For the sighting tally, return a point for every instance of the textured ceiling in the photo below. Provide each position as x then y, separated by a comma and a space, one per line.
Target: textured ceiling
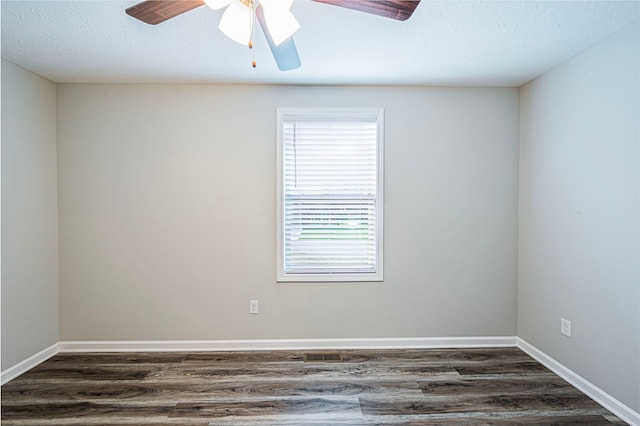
462, 43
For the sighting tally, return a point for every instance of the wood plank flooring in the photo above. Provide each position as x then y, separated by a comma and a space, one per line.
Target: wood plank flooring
387, 387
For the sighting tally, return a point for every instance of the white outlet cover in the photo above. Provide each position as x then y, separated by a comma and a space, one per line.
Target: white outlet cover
565, 327
253, 306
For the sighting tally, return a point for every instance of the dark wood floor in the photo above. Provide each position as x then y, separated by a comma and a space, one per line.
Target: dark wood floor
389, 387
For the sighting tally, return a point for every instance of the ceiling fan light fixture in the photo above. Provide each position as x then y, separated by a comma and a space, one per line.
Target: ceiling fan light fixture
217, 4
236, 22
276, 4
281, 24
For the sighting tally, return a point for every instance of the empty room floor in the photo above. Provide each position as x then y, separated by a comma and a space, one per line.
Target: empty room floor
417, 386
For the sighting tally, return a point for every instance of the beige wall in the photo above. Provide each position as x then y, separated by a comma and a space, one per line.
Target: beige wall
29, 215
579, 216
168, 218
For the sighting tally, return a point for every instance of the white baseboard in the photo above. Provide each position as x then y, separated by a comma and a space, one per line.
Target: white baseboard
286, 344
618, 408
26, 365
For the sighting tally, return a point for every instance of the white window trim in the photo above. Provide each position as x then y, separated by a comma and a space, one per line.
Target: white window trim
338, 113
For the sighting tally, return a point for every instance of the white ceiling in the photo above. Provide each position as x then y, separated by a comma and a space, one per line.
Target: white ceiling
461, 43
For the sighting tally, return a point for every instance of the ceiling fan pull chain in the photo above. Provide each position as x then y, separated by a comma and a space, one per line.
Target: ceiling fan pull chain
252, 22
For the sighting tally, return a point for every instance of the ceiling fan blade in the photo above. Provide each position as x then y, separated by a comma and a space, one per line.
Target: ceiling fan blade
155, 11
400, 10
285, 54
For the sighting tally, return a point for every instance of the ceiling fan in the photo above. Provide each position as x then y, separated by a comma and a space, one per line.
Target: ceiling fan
274, 17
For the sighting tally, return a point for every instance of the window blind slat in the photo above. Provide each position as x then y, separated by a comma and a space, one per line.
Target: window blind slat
329, 203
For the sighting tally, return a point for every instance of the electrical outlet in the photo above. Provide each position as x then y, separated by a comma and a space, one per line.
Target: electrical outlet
253, 306
565, 327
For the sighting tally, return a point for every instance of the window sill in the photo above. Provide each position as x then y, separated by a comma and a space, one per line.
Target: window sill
341, 278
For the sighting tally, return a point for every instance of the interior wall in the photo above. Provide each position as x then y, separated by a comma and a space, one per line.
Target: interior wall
168, 215
579, 218
29, 215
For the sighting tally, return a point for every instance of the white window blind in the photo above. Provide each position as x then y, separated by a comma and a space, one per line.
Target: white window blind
331, 185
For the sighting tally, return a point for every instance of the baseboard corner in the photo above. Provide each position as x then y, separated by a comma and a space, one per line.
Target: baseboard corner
27, 364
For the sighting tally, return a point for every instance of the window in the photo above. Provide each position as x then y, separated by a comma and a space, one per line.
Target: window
330, 199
